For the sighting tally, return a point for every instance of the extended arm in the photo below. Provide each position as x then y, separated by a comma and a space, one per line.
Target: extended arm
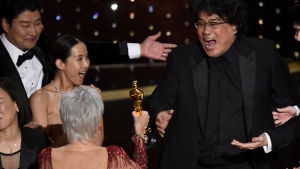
109, 53
118, 158
280, 136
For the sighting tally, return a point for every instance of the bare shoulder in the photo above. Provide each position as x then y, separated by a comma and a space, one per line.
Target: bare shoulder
42, 93
94, 87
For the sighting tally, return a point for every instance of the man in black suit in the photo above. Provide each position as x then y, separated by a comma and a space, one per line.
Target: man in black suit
225, 87
281, 115
22, 27
289, 129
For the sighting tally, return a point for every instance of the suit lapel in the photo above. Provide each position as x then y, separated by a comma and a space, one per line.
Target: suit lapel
9, 69
40, 55
200, 81
248, 70
28, 156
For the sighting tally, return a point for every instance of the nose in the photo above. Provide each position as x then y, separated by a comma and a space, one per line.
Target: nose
298, 37
86, 62
32, 30
207, 29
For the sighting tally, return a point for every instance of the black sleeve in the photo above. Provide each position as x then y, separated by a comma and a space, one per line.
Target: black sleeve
107, 53
283, 135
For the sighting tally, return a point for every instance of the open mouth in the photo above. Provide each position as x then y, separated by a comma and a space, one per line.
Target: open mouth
210, 43
82, 74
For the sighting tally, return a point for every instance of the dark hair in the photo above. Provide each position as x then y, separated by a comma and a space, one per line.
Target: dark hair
61, 48
13, 90
295, 12
10, 9
231, 11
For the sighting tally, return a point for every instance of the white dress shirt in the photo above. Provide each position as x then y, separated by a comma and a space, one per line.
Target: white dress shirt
134, 51
31, 71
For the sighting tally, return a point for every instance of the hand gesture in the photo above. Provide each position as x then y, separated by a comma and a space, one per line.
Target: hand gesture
140, 121
297, 167
98, 90
283, 115
162, 121
256, 143
33, 125
153, 49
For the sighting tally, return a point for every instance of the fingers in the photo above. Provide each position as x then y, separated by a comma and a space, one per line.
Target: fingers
167, 50
33, 125
154, 37
161, 132
282, 110
170, 112
249, 146
257, 139
274, 113
278, 122
140, 121
162, 121
160, 125
169, 45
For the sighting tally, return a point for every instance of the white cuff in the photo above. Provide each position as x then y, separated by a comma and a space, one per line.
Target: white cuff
134, 50
268, 148
297, 110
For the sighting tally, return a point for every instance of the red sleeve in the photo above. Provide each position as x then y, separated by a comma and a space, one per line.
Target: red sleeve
118, 158
45, 159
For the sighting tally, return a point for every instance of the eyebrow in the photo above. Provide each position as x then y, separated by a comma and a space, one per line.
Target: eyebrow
24, 21
81, 55
211, 19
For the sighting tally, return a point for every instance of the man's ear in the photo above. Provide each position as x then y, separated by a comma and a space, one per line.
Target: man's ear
59, 64
235, 29
5, 24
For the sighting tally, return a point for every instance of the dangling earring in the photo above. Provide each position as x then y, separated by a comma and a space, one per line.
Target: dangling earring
17, 111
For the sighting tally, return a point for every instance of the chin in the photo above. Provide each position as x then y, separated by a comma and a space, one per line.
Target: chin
212, 55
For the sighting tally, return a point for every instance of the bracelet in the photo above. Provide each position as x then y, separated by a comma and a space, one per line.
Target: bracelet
143, 136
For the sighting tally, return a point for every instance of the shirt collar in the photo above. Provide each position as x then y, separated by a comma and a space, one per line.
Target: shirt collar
231, 53
13, 51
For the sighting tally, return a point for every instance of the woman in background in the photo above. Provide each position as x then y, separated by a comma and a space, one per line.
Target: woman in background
81, 109
70, 63
19, 146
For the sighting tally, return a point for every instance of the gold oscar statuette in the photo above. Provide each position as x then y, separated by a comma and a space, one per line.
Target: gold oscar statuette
137, 96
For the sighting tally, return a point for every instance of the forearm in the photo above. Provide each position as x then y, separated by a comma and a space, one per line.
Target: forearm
107, 53
283, 135
140, 153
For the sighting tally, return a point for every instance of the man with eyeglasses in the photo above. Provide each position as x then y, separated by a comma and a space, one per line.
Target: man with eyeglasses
225, 86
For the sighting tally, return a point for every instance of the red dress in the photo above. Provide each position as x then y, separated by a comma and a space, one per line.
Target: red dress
117, 157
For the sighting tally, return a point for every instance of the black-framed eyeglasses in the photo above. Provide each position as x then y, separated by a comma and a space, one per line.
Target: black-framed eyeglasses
213, 25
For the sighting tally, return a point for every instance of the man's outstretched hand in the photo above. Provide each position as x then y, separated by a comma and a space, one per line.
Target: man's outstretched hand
153, 49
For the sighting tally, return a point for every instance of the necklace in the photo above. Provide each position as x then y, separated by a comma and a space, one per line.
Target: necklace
56, 88
11, 148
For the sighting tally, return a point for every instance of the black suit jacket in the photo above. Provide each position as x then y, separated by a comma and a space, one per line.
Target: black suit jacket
265, 83
8, 69
283, 135
33, 142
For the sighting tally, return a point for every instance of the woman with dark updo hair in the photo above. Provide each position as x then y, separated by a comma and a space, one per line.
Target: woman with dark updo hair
70, 61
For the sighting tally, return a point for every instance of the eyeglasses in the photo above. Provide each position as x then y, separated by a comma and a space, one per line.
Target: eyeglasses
213, 25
